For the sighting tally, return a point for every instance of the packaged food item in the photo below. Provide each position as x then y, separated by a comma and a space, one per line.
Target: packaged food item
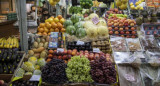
129, 76
134, 44
153, 58
149, 43
120, 57
150, 75
118, 44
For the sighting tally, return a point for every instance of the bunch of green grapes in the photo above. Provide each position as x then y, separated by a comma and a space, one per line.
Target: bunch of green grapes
78, 70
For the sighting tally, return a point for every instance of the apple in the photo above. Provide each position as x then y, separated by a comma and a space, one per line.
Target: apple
96, 55
81, 51
65, 52
69, 52
86, 56
1, 83
116, 32
122, 32
155, 32
78, 53
132, 24
54, 56
152, 28
128, 36
133, 32
59, 57
86, 51
115, 24
120, 24
132, 28
110, 28
127, 32
109, 24
122, 35
73, 53
148, 33
115, 21
133, 36
126, 28
121, 29
74, 50
116, 28
64, 57
69, 56
110, 32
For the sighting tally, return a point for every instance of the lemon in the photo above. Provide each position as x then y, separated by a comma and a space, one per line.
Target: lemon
141, 8
137, 3
132, 7
131, 3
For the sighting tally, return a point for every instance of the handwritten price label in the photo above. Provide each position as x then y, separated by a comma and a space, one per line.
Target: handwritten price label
35, 78
95, 20
60, 50
80, 43
96, 50
129, 77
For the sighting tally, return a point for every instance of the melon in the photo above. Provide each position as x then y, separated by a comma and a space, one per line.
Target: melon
78, 25
71, 30
80, 33
92, 32
102, 31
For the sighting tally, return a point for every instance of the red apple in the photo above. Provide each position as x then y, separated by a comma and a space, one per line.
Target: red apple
126, 28
59, 57
81, 51
65, 52
122, 32
96, 55
121, 29
64, 57
116, 28
110, 32
74, 50
133, 36
73, 53
132, 28
86, 51
133, 32
110, 28
78, 53
127, 32
109, 24
128, 36
116, 32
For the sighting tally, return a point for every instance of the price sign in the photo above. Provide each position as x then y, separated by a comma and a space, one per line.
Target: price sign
80, 43
35, 78
129, 77
60, 49
95, 20
96, 50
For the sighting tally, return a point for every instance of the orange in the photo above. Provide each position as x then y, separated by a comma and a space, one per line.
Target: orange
59, 25
48, 26
40, 30
59, 17
56, 30
48, 60
63, 30
39, 33
42, 25
62, 20
52, 17
46, 30
54, 25
44, 33
51, 30
56, 20
49, 34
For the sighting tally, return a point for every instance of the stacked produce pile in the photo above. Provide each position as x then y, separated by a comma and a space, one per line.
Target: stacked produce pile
25, 83
11, 42
122, 4
54, 72
103, 71
136, 6
9, 60
86, 4
122, 27
78, 70
51, 25
152, 30
75, 10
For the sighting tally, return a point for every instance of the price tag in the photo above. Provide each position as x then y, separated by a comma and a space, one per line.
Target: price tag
35, 78
129, 77
80, 43
60, 50
95, 20
96, 50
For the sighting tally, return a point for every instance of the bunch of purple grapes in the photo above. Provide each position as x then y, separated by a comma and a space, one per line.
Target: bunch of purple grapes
54, 72
103, 71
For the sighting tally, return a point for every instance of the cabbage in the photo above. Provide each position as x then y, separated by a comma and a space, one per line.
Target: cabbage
80, 33
71, 30
91, 16
92, 32
78, 25
41, 62
102, 31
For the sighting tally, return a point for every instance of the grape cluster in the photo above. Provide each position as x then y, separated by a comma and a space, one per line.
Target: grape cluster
103, 71
54, 72
78, 69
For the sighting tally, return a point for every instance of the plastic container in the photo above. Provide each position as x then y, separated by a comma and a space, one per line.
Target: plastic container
134, 44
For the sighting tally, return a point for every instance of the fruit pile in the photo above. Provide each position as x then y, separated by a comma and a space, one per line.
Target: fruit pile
11, 42
137, 4
54, 72
25, 83
39, 46
86, 4
122, 27
51, 25
152, 30
53, 2
78, 70
65, 55
122, 4
85, 46
103, 71
9, 60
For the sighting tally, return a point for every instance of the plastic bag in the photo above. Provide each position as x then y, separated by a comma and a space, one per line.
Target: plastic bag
120, 57
129, 76
118, 44
134, 44
153, 58
150, 75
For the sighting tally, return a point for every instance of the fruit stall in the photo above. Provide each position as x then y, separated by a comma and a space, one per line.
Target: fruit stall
99, 43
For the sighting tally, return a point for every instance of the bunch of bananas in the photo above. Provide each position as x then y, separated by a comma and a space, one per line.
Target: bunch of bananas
53, 2
11, 42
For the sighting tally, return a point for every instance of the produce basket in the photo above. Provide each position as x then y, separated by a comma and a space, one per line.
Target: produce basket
8, 77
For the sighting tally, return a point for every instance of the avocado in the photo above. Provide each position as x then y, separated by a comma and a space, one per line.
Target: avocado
9, 57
